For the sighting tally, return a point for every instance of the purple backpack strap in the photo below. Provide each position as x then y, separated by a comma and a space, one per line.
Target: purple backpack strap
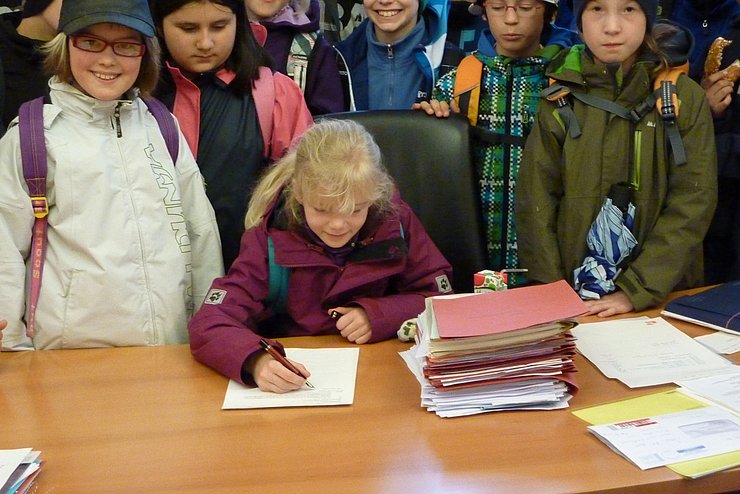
33, 156
166, 122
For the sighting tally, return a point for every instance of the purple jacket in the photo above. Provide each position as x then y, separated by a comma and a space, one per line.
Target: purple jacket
395, 266
323, 92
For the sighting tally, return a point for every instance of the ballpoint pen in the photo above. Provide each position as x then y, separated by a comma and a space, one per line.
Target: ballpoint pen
279, 357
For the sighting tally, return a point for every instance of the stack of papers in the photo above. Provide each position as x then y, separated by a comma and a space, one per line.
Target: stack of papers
504, 350
18, 470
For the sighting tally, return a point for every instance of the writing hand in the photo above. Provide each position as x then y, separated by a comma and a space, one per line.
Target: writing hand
270, 375
353, 324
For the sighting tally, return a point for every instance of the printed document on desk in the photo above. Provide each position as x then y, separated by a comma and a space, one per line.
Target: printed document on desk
658, 440
722, 389
665, 402
646, 352
333, 375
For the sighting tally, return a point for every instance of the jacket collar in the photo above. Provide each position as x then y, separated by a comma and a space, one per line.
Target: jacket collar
74, 101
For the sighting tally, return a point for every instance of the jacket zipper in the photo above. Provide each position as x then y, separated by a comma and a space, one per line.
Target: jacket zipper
117, 120
119, 134
391, 87
506, 173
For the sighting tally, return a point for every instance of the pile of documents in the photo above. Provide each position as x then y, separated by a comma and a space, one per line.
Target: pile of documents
18, 470
502, 350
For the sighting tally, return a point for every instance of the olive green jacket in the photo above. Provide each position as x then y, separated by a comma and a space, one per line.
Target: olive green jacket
563, 181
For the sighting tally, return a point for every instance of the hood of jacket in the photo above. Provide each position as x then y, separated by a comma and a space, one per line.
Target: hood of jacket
576, 67
288, 18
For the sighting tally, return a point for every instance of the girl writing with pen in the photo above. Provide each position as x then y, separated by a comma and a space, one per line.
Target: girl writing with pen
359, 260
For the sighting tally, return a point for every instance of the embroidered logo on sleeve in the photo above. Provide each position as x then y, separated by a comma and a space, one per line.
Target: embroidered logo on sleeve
443, 284
215, 296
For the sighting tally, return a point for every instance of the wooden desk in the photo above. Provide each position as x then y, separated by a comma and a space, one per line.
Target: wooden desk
148, 419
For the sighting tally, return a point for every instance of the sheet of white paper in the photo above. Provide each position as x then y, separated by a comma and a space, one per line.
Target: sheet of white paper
645, 352
333, 375
9, 461
720, 342
723, 389
663, 439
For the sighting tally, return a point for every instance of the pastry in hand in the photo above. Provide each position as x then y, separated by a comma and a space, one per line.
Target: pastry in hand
714, 56
732, 72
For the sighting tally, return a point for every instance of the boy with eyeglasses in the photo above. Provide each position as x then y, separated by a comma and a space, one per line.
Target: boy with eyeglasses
505, 75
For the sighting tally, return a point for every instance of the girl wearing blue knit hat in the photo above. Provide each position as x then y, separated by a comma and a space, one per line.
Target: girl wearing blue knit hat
601, 130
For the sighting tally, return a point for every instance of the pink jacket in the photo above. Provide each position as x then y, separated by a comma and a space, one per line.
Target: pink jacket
276, 96
389, 275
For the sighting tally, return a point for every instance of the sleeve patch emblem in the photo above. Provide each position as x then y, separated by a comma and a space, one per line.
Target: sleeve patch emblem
215, 296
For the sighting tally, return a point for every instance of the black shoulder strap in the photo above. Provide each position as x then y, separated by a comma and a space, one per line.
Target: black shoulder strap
558, 94
331, 18
669, 114
311, 57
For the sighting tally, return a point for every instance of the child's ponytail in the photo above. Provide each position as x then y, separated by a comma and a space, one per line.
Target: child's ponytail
276, 178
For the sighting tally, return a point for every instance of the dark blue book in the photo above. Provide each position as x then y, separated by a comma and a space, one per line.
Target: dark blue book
716, 308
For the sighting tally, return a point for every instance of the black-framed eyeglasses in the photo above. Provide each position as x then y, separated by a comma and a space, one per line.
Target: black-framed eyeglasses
93, 44
497, 8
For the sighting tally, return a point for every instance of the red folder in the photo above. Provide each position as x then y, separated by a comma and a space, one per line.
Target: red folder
507, 310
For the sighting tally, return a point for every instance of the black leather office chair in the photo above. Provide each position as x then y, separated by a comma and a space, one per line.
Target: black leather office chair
431, 161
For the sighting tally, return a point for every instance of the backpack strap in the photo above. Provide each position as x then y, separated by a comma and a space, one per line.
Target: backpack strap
263, 95
558, 94
466, 92
331, 23
667, 104
299, 56
33, 157
278, 281
606, 105
166, 122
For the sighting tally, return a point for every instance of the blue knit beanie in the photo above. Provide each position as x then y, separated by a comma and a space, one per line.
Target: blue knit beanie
649, 7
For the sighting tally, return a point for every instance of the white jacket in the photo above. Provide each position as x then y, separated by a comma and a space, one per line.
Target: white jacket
132, 239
